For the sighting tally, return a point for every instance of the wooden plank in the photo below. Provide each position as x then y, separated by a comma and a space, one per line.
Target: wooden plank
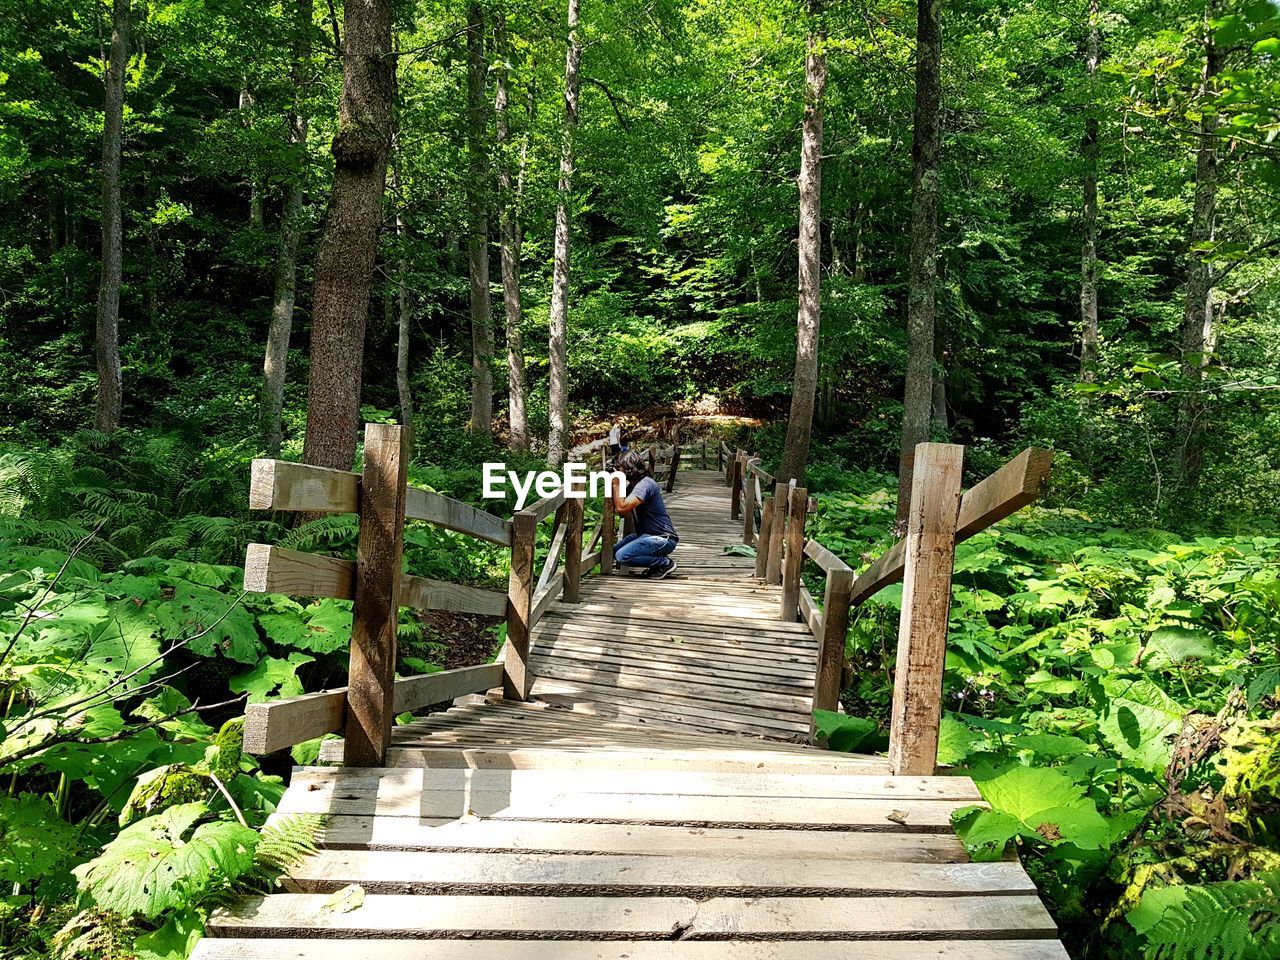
801, 918
781, 506
573, 567
735, 484
766, 536
281, 485
666, 662
749, 507
603, 874
376, 609
552, 559
427, 594
515, 664
523, 784
269, 727
402, 833
823, 557
278, 570
926, 604
1016, 484
797, 515
414, 693
282, 723
609, 532
442, 511
809, 613
548, 596
835, 630
257, 948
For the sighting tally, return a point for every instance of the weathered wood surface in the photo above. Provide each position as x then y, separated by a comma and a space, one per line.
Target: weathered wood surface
499, 949
376, 607
929, 552
656, 798
282, 723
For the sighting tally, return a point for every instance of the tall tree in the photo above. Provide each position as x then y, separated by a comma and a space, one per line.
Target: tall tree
809, 313
558, 349
286, 275
1197, 314
478, 227
926, 151
1089, 208
404, 307
349, 242
1198, 334
509, 197
107, 334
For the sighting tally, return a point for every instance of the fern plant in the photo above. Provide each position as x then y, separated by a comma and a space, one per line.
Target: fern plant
1232, 920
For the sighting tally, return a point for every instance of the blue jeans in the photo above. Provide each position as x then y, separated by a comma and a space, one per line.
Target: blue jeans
643, 550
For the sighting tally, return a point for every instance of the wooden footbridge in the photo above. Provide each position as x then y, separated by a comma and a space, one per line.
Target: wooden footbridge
635, 777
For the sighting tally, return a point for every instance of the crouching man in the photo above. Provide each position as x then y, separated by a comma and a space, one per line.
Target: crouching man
655, 535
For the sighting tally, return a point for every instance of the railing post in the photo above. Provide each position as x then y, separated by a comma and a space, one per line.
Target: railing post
766, 529
748, 507
799, 501
609, 520
781, 505
735, 486
515, 665
672, 467
573, 507
376, 610
835, 627
926, 603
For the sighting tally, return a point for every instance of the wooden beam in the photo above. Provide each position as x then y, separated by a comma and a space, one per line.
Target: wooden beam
735, 485
442, 511
545, 597
376, 610
750, 486
515, 664
273, 726
277, 570
794, 559
766, 535
552, 559
781, 507
608, 533
926, 604
573, 549
547, 506
823, 557
1016, 484
425, 593
809, 612
281, 485
831, 640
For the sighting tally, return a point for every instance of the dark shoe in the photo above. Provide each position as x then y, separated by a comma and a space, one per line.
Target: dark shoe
659, 572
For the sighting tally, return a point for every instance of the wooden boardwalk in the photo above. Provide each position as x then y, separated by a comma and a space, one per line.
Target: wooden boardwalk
654, 799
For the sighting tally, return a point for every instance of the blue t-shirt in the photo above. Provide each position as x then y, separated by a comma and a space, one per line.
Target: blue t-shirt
651, 515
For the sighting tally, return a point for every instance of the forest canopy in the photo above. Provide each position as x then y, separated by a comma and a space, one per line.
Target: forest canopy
823, 231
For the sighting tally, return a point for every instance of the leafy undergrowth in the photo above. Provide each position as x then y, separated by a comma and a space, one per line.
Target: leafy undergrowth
1114, 695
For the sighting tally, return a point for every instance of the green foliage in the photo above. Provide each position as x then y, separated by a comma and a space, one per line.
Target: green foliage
1216, 921
161, 863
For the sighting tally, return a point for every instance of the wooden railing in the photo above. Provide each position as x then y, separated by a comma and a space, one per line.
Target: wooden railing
940, 517
363, 710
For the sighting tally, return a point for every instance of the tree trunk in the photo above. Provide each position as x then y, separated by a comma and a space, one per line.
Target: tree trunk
478, 227
255, 195
348, 245
556, 441
1089, 212
809, 313
926, 149
1197, 316
107, 334
859, 243
1198, 333
509, 250
286, 279
941, 426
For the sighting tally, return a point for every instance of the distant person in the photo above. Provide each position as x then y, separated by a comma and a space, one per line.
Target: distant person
655, 535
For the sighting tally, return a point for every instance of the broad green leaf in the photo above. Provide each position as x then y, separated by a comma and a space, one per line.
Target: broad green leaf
157, 864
